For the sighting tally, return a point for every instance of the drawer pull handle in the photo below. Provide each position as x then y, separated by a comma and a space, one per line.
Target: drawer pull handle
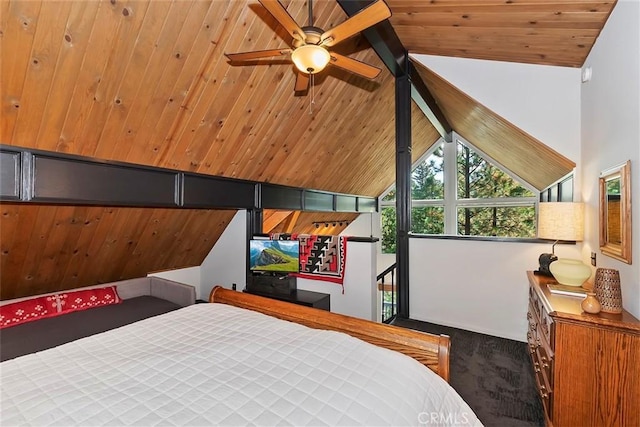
543, 392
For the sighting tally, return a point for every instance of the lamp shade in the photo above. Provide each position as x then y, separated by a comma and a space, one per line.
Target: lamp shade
310, 58
561, 221
564, 221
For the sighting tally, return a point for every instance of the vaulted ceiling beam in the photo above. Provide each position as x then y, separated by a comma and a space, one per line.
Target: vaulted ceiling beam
389, 48
423, 98
382, 37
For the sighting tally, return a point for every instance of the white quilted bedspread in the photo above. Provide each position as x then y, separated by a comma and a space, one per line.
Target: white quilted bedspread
213, 364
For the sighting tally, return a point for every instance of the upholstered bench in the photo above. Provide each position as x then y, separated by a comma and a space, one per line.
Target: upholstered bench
141, 298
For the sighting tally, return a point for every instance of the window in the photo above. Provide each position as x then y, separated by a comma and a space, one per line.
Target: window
457, 190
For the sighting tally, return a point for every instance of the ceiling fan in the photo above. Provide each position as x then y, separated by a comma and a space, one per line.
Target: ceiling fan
310, 52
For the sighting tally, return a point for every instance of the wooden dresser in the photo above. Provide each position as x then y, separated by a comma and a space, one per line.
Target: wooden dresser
587, 367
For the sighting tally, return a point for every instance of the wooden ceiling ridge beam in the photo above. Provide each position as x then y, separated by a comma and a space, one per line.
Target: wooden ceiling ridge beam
389, 48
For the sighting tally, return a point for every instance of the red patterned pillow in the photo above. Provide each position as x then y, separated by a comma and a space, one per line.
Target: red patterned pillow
54, 305
82, 300
25, 311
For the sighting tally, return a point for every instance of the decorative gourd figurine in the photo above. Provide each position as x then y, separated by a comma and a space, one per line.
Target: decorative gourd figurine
591, 304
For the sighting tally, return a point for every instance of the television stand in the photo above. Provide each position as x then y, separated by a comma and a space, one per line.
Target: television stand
300, 297
268, 284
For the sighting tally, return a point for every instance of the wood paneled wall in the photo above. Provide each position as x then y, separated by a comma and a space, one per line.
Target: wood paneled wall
304, 222
146, 82
49, 248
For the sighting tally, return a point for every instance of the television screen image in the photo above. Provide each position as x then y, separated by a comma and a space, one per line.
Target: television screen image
280, 256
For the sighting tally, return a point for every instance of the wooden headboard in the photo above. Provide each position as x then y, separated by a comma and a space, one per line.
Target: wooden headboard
428, 349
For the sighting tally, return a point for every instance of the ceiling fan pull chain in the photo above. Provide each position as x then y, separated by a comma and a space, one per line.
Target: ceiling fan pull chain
312, 101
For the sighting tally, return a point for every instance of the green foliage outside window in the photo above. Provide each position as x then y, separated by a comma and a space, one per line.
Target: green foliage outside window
427, 220
427, 182
388, 241
478, 178
512, 221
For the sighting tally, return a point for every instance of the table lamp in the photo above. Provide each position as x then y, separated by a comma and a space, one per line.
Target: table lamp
562, 221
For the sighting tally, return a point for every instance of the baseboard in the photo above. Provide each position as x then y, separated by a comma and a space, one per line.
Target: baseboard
493, 333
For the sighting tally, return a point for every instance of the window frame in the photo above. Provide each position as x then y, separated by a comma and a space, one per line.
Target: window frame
451, 203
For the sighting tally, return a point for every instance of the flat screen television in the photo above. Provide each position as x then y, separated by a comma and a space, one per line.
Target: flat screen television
276, 256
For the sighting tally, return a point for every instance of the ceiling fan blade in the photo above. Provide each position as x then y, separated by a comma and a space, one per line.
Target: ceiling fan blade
282, 16
355, 66
302, 82
244, 56
371, 15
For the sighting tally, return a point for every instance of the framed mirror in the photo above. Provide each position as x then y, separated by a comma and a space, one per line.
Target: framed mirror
615, 212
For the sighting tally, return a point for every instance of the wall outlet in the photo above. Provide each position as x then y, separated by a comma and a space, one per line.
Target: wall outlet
593, 259
233, 285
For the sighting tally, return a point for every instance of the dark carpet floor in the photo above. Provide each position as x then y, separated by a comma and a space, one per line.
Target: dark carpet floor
493, 375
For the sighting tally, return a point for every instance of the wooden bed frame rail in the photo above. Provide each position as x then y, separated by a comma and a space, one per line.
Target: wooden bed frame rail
428, 349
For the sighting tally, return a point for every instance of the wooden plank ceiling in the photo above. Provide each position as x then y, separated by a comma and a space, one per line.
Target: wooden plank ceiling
548, 32
146, 82
526, 156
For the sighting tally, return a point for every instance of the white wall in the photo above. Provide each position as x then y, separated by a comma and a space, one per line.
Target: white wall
189, 275
482, 286
362, 226
360, 293
611, 132
479, 286
227, 262
542, 100
368, 225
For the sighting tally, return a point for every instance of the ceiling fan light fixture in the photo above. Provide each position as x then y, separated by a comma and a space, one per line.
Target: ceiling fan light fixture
310, 58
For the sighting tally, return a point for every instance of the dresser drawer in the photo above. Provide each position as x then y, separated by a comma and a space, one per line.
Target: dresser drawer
534, 302
532, 331
540, 346
544, 362
546, 327
542, 371
542, 317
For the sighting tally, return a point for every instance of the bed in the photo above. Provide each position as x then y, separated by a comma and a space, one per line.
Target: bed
236, 362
